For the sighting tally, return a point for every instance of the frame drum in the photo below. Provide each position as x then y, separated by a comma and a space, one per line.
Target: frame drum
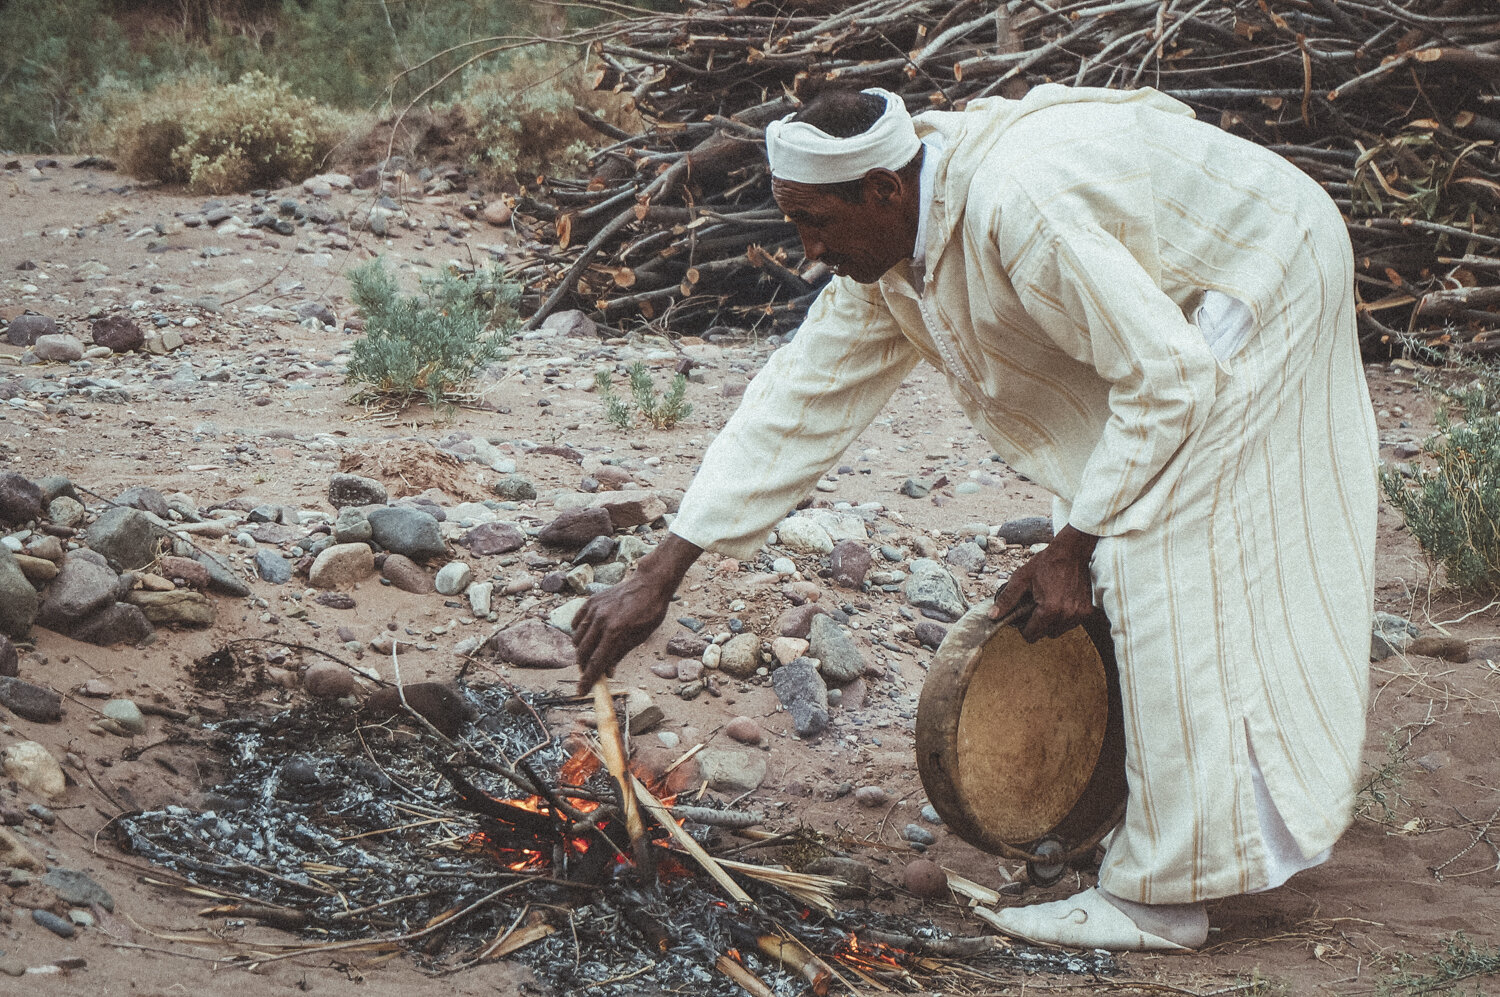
1018, 741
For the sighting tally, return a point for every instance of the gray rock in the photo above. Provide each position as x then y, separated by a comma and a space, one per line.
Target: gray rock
1027, 530
119, 333
930, 634
609, 574
572, 324
453, 578
20, 499
18, 600
409, 532
406, 575
596, 551
740, 656
10, 662
125, 713
30, 702
25, 330
117, 623
56, 486
966, 556
732, 770
53, 923
871, 796
805, 535
514, 488
66, 511
804, 694
918, 835
1391, 634
272, 567
183, 607
932, 590
686, 644
83, 586
930, 814
838, 655
574, 528
489, 539
533, 644
352, 527
565, 615
221, 577
126, 537
58, 348
916, 487
850, 562
354, 489
146, 499
76, 889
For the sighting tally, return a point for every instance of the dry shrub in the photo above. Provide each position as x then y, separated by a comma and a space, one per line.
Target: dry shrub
523, 121
222, 138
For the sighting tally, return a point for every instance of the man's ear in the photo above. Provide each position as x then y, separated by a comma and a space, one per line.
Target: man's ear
882, 185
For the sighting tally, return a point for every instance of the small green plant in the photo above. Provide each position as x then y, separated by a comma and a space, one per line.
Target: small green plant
616, 411
1376, 800
662, 410
1460, 959
1452, 504
430, 343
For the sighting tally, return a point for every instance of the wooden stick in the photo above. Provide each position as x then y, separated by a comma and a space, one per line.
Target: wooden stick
710, 865
613, 747
736, 971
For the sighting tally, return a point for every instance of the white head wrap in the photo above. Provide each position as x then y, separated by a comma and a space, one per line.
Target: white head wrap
802, 153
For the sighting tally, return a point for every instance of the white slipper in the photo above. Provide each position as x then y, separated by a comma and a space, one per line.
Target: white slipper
1085, 921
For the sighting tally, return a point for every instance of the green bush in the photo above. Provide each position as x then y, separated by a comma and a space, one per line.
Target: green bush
52, 59
1452, 501
222, 138
430, 343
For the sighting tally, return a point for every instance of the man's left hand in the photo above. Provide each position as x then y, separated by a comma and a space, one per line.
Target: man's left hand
1057, 581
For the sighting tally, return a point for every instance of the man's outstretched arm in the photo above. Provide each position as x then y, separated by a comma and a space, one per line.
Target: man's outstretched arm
617, 620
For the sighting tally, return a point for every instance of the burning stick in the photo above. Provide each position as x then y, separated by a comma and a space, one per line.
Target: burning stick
736, 971
799, 958
613, 747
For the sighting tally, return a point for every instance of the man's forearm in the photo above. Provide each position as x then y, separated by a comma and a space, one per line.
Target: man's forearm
668, 564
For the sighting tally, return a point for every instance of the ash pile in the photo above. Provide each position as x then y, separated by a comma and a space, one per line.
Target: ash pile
496, 839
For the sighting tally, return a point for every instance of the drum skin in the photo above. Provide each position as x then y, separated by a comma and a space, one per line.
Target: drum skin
1016, 741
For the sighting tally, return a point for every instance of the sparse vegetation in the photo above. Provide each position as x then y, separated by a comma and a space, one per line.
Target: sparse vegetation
1459, 960
522, 116
1452, 500
662, 410
431, 343
1376, 800
616, 410
222, 138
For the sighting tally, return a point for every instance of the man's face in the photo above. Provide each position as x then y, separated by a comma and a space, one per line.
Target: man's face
858, 240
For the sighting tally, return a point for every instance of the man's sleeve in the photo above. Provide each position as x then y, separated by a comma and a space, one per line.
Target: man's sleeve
809, 402
1099, 304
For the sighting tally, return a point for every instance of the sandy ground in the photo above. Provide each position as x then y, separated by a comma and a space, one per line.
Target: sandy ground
274, 426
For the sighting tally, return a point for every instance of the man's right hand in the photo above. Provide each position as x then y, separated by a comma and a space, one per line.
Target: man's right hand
614, 622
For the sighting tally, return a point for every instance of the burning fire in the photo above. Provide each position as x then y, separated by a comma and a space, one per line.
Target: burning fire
871, 955
574, 773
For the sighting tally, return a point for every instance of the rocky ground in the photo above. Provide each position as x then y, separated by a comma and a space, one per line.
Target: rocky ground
181, 468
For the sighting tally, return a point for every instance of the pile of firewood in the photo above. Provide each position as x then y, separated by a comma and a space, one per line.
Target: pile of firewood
1391, 104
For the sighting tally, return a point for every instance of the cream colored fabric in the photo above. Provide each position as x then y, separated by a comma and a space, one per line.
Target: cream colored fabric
1071, 234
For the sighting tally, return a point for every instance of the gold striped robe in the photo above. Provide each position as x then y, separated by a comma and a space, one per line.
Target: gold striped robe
1069, 237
